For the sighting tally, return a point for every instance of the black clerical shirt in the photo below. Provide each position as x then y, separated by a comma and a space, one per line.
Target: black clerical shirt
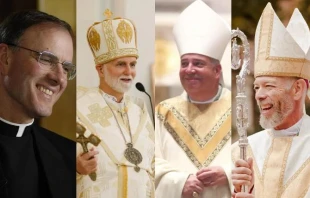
20, 163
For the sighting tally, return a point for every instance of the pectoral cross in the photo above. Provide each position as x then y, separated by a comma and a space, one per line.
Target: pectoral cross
93, 139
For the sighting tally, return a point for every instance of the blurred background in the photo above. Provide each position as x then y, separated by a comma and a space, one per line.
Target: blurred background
245, 16
167, 62
62, 120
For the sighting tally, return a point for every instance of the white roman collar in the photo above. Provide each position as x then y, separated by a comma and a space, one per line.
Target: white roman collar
216, 97
292, 131
21, 127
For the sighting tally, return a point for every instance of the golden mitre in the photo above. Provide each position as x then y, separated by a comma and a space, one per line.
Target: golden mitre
279, 50
112, 38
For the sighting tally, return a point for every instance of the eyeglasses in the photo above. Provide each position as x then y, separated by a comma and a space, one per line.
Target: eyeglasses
49, 60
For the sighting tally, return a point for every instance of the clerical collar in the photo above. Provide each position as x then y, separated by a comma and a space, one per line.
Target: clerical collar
215, 98
292, 131
110, 97
11, 129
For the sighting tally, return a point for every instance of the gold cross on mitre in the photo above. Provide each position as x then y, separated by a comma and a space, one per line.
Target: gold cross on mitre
108, 14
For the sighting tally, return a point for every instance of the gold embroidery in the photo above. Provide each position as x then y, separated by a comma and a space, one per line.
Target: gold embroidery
94, 39
292, 187
109, 35
124, 31
265, 64
106, 57
202, 158
122, 182
304, 165
99, 115
287, 150
107, 13
202, 142
301, 176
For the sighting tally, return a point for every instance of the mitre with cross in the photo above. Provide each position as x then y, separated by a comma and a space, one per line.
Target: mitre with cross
112, 38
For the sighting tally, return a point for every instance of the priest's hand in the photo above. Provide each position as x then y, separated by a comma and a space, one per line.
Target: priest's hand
242, 174
242, 195
86, 163
192, 185
212, 176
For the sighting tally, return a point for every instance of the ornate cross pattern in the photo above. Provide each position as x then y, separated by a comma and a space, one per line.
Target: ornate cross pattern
99, 115
108, 14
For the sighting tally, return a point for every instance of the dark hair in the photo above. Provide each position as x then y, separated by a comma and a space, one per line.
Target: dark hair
13, 27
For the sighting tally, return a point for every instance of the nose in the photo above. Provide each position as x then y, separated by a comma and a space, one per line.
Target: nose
260, 94
190, 69
128, 70
57, 75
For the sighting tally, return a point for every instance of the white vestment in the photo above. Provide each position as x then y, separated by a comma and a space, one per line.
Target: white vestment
281, 163
189, 138
116, 176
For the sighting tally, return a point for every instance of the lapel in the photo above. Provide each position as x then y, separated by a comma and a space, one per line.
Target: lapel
54, 167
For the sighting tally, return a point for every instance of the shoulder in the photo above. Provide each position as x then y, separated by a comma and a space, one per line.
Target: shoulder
307, 119
86, 91
225, 95
169, 102
256, 140
166, 106
257, 137
226, 91
55, 139
135, 100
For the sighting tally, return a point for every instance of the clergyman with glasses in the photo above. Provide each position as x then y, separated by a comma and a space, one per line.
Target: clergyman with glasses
36, 50
123, 160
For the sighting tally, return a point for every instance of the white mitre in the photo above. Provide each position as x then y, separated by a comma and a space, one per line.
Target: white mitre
112, 38
281, 51
200, 30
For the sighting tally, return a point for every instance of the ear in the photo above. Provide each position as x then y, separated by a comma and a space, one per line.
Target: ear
218, 70
299, 88
99, 69
4, 59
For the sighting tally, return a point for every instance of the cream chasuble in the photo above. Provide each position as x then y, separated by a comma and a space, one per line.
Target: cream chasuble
281, 163
189, 137
116, 177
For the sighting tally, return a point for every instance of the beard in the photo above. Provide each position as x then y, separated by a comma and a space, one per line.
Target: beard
282, 108
115, 82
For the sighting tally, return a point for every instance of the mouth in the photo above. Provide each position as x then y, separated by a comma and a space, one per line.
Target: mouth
45, 90
192, 80
126, 80
266, 108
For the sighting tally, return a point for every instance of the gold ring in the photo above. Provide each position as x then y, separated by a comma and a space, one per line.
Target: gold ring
195, 194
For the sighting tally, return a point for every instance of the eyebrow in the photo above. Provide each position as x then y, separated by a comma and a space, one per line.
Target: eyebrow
264, 83
194, 59
120, 62
124, 62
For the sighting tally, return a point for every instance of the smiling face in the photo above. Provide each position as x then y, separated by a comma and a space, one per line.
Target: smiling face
117, 75
32, 88
199, 76
275, 99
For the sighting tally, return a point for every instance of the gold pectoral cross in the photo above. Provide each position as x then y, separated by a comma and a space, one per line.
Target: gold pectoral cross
81, 139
